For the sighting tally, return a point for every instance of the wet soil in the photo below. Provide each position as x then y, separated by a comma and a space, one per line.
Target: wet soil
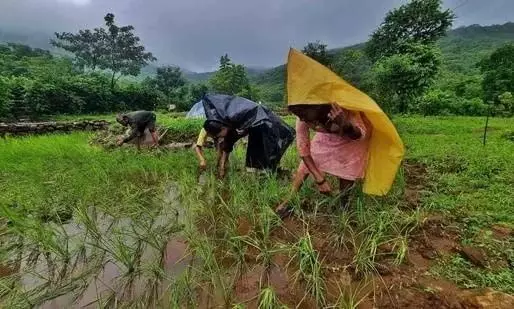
392, 286
408, 285
415, 183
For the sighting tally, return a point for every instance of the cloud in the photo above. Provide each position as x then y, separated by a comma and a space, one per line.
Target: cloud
76, 2
195, 33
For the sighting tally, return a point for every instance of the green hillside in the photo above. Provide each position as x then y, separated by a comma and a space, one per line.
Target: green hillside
462, 48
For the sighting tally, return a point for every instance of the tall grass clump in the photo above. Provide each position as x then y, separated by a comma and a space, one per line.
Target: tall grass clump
309, 268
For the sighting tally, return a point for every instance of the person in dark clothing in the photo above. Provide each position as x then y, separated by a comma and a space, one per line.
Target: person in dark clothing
138, 121
230, 118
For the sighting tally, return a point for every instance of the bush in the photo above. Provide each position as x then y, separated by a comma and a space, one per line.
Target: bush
441, 102
471, 107
22, 97
134, 97
436, 102
5, 103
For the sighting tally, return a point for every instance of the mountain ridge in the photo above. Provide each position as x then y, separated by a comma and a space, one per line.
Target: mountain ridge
471, 42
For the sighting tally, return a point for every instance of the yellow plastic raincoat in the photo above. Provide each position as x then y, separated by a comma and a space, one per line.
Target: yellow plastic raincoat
309, 82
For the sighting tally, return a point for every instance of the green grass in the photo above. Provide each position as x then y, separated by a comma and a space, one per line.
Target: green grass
119, 197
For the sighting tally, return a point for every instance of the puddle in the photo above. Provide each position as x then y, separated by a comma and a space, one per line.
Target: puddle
152, 244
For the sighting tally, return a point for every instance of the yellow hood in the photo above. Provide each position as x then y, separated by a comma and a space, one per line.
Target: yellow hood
309, 82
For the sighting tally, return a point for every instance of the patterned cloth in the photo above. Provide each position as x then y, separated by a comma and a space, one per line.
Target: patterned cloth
333, 154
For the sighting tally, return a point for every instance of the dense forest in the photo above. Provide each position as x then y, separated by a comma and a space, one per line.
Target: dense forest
430, 70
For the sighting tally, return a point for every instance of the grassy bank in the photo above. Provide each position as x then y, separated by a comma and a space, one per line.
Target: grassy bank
238, 252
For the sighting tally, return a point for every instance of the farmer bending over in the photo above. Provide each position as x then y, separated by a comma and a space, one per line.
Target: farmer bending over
138, 121
224, 141
230, 118
339, 148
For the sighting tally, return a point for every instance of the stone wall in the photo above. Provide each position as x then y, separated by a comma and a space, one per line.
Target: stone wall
25, 128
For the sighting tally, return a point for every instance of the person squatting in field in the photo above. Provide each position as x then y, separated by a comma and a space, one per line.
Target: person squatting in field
138, 122
338, 148
230, 118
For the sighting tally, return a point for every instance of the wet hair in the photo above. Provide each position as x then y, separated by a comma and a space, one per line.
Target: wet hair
311, 112
213, 127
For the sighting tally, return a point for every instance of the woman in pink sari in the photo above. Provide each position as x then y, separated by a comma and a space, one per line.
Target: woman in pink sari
339, 148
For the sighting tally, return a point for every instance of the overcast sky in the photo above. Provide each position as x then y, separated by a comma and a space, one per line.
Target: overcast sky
194, 33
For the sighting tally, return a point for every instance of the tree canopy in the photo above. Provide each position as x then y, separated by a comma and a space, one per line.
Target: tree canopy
232, 79
114, 48
498, 82
318, 51
418, 21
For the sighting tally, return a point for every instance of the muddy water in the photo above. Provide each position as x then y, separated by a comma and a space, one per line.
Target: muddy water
108, 279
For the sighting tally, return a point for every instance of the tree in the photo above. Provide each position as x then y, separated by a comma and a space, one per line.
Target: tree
89, 47
406, 59
418, 21
352, 65
231, 79
112, 48
498, 70
125, 55
5, 100
168, 80
318, 51
401, 78
196, 92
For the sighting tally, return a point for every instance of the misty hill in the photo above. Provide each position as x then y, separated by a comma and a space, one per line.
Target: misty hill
32, 39
462, 48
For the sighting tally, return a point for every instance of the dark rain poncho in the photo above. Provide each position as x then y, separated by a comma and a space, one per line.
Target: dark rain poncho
139, 121
268, 135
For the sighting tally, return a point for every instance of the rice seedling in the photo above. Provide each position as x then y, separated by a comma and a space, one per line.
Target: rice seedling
365, 246
268, 299
351, 296
181, 291
210, 268
309, 268
342, 230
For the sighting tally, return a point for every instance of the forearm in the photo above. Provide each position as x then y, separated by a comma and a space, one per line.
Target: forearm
316, 173
131, 136
199, 153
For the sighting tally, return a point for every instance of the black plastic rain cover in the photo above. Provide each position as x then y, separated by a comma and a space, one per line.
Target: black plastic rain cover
268, 135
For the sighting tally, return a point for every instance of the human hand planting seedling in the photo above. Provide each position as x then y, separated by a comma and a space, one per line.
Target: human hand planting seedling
120, 141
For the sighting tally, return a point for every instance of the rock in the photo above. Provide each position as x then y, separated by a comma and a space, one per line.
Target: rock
23, 128
178, 145
486, 299
474, 255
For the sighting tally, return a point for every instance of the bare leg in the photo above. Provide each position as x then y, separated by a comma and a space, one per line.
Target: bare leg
138, 143
345, 187
155, 138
